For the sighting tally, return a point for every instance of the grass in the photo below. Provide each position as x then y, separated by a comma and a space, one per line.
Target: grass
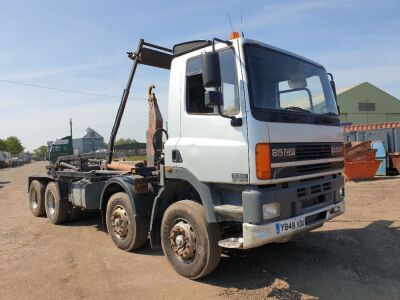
134, 158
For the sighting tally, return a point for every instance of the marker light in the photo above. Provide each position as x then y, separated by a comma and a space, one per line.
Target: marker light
234, 35
263, 161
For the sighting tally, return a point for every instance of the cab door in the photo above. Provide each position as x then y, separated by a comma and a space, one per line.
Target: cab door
209, 146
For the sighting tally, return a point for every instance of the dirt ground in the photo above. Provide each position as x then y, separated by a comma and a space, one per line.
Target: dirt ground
356, 256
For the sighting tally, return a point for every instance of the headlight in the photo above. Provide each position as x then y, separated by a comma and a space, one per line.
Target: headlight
271, 210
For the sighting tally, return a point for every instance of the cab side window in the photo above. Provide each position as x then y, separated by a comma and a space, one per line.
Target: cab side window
195, 89
229, 86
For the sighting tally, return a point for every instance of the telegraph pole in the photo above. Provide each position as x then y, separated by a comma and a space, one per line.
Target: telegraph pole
70, 126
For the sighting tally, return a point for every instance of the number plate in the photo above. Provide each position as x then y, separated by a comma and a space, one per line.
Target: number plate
287, 226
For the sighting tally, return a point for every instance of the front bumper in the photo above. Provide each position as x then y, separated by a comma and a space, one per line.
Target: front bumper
258, 235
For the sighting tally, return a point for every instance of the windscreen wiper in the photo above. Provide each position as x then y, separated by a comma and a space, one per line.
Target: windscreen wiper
296, 108
330, 114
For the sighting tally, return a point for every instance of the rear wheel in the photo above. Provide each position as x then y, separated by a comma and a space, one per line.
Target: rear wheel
127, 231
189, 242
57, 209
36, 198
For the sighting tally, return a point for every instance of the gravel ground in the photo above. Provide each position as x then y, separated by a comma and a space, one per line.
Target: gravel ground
355, 256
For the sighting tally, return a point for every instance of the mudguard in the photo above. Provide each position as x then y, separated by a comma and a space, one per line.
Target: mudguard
44, 177
141, 202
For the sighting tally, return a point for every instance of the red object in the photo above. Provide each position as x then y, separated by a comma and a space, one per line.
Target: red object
396, 160
361, 169
120, 167
365, 156
355, 148
363, 127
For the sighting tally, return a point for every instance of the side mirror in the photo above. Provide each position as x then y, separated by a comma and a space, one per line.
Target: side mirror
210, 70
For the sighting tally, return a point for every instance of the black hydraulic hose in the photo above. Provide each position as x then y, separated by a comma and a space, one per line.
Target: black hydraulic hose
154, 138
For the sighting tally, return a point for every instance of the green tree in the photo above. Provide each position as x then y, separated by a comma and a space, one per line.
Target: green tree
40, 152
3, 146
120, 142
13, 145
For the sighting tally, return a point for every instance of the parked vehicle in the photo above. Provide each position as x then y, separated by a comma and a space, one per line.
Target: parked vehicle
15, 161
6, 158
2, 160
253, 155
24, 158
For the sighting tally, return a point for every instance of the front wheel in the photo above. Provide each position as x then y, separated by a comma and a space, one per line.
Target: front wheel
189, 242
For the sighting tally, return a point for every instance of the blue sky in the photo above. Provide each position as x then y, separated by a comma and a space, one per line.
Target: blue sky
81, 45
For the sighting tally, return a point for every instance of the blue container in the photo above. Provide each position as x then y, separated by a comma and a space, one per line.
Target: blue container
380, 155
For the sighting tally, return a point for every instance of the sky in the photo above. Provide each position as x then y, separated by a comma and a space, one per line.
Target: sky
81, 45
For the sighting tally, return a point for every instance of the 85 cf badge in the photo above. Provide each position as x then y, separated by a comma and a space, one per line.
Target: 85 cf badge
283, 152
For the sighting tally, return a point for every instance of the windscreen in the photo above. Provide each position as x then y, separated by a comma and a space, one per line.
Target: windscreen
280, 81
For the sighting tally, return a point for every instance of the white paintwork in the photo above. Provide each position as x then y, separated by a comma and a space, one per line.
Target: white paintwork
174, 118
211, 148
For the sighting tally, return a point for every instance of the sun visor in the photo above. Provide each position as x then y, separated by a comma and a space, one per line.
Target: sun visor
155, 58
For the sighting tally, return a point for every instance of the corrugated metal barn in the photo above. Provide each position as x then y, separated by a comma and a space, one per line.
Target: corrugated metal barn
365, 103
90, 142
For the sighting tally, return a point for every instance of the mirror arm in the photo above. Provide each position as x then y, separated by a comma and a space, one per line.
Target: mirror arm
228, 43
333, 85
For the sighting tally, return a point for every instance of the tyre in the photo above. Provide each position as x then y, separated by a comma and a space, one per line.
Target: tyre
36, 198
127, 231
57, 209
189, 242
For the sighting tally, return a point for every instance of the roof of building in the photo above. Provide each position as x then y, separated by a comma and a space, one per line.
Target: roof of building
92, 134
361, 84
350, 98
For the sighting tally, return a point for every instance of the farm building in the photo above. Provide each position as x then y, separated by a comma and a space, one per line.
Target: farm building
90, 142
365, 103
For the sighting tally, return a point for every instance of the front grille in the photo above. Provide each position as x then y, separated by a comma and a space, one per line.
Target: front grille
313, 201
314, 190
307, 169
313, 151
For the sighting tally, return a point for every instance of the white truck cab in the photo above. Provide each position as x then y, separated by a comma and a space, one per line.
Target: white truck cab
281, 164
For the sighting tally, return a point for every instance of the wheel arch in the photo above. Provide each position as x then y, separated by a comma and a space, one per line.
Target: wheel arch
42, 178
124, 184
204, 190
187, 188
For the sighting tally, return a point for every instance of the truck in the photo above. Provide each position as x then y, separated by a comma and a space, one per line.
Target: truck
252, 154
60, 147
5, 159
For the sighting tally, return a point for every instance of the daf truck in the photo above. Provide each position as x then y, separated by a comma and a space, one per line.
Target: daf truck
253, 154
